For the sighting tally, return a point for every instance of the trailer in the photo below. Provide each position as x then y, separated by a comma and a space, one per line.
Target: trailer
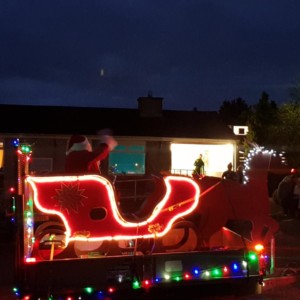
75, 239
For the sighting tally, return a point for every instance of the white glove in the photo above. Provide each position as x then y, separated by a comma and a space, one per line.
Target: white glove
109, 141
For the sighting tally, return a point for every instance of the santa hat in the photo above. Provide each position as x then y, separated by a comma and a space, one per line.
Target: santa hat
78, 143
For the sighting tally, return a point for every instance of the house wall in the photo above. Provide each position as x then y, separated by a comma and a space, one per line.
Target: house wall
48, 156
158, 157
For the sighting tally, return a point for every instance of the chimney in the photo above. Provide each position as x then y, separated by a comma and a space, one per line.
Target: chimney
150, 106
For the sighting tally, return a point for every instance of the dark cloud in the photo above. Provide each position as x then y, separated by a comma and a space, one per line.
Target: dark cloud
109, 53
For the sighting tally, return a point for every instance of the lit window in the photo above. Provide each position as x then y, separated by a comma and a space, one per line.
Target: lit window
127, 160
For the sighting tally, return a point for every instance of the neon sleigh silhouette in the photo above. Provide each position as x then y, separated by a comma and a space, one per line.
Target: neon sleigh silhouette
88, 208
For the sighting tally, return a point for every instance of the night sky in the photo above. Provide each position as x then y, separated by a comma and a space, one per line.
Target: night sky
106, 53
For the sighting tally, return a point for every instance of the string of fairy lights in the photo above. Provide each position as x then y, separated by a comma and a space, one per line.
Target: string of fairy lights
234, 269
268, 154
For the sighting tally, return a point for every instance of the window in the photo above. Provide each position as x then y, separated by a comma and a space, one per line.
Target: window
127, 159
242, 131
41, 165
216, 157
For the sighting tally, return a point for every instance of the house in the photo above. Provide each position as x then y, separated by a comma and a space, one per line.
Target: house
150, 139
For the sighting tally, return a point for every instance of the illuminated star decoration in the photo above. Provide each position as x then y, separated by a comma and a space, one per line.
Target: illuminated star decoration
70, 197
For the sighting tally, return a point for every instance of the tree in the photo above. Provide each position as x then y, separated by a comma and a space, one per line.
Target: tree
295, 93
287, 131
270, 126
278, 127
234, 112
263, 117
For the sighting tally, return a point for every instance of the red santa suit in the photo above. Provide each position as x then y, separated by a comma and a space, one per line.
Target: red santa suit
81, 158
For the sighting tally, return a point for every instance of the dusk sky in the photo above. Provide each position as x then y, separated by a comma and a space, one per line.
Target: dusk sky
107, 53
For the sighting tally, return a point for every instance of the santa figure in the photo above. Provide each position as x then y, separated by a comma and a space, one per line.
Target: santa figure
81, 158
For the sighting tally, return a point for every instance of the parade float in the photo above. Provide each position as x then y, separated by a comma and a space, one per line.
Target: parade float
75, 240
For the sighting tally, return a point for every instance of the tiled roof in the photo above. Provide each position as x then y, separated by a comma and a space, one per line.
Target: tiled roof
28, 119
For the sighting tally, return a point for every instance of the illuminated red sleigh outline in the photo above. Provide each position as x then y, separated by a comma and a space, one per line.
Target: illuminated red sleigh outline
76, 198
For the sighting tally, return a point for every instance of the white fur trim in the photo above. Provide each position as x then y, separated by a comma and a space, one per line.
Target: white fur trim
85, 145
